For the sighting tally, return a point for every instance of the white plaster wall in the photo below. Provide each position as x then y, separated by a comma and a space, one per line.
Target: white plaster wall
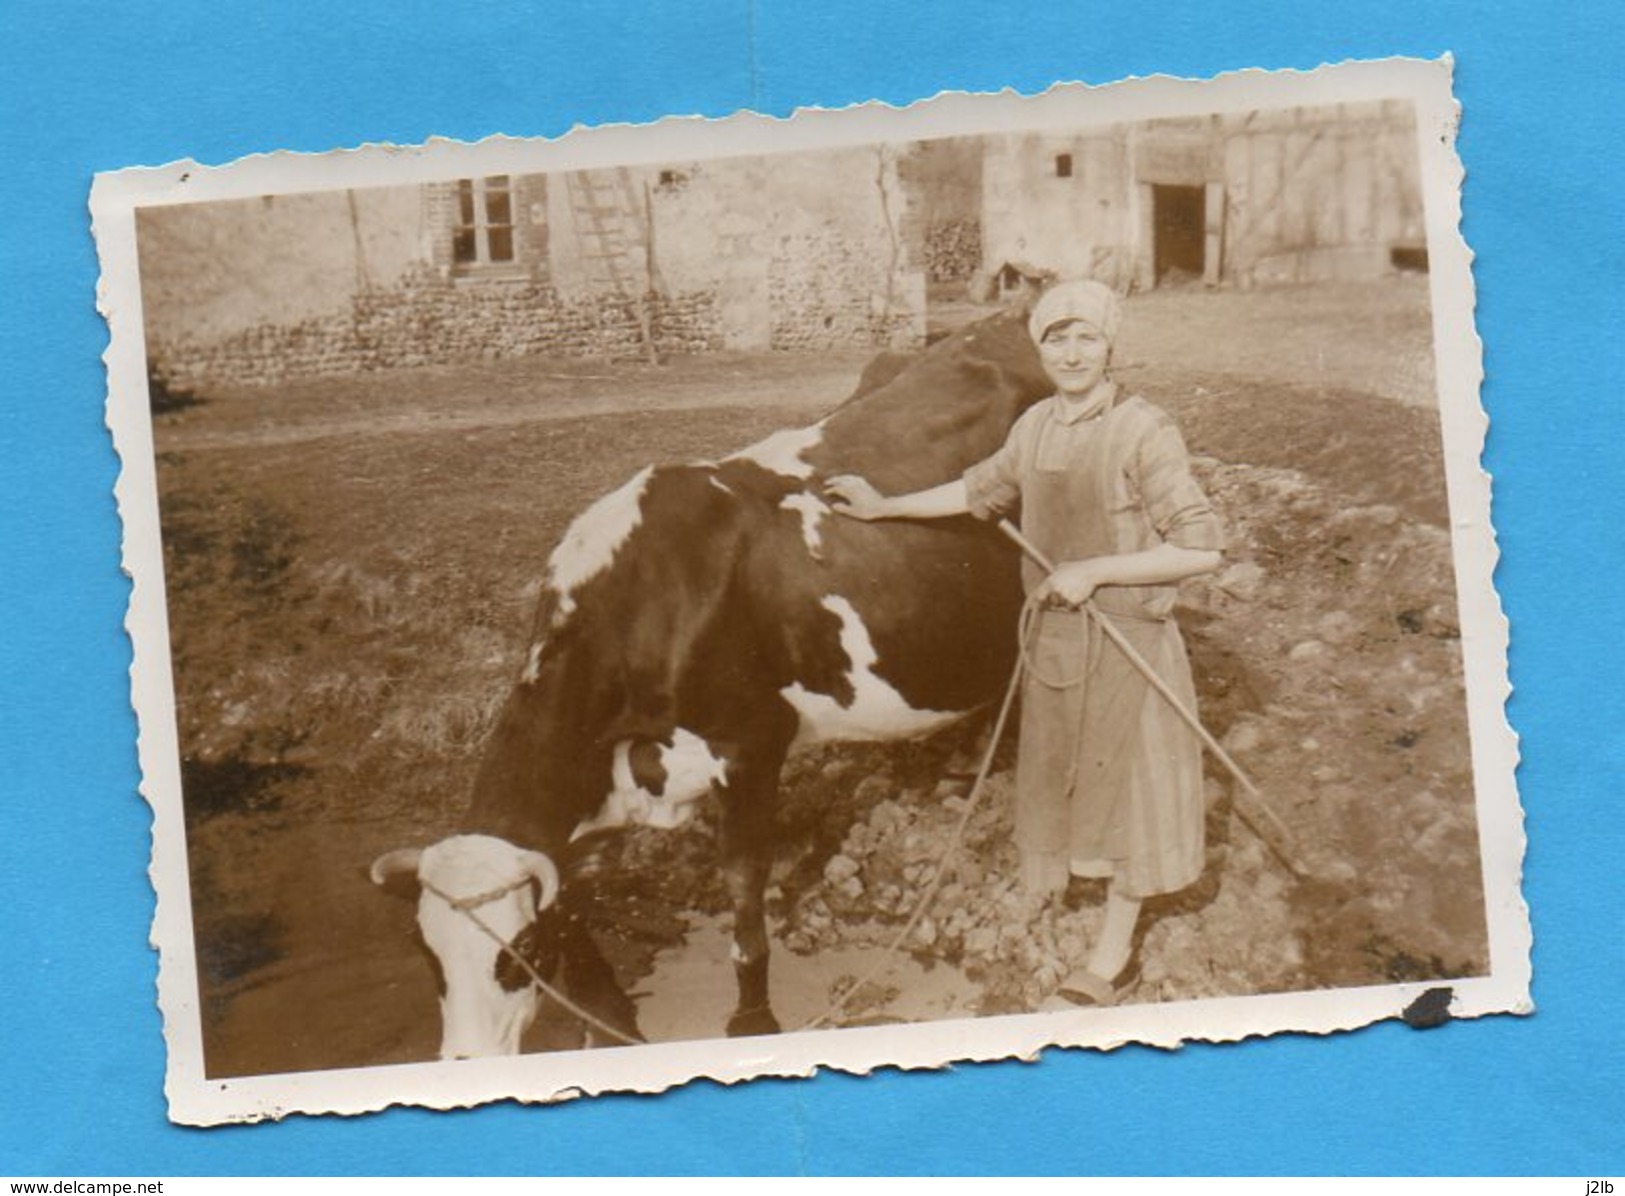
212, 270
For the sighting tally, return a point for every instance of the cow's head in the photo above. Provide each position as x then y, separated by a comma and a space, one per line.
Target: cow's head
476, 893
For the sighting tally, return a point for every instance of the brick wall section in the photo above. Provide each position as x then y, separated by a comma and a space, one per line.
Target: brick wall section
428, 320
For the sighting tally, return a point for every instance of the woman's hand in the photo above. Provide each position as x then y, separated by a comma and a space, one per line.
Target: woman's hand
855, 497
1072, 584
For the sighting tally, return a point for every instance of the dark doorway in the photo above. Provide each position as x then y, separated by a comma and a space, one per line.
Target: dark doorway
1178, 226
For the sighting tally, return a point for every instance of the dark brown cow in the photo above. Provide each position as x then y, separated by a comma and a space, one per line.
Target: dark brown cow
695, 625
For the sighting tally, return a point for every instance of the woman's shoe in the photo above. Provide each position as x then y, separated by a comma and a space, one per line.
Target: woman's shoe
1084, 987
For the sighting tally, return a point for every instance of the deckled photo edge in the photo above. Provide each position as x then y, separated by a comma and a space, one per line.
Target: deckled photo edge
1460, 357
146, 624
197, 1100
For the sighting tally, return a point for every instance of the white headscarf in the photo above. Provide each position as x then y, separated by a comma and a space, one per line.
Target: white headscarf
1092, 302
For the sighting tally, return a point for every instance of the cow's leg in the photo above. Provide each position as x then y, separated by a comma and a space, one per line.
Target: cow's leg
749, 796
747, 855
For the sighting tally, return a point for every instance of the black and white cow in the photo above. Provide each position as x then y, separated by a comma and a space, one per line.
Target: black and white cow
695, 625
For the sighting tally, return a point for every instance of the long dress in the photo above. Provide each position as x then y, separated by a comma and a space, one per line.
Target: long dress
1108, 778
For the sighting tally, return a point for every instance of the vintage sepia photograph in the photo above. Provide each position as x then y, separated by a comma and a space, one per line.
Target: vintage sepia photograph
889, 587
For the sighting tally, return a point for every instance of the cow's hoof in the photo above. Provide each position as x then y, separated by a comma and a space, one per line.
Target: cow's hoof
750, 1022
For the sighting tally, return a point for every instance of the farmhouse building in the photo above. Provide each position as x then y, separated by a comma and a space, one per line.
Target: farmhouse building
800, 252
1244, 199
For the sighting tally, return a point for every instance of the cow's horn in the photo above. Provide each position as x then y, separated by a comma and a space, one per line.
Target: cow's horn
400, 862
546, 874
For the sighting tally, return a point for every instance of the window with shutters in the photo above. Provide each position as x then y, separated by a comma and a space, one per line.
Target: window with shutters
484, 232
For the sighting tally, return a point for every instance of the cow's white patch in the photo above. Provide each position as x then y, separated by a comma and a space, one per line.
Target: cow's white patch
691, 768
812, 509
781, 452
591, 543
533, 664
721, 485
478, 1016
877, 710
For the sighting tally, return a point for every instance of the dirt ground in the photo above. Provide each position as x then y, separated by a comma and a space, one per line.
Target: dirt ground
351, 565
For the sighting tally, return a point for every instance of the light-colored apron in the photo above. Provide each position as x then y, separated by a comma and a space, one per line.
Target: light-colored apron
1108, 779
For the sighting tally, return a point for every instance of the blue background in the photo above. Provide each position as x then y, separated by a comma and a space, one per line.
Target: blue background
88, 88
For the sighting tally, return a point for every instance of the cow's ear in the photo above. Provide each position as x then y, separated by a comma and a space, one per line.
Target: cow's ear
396, 872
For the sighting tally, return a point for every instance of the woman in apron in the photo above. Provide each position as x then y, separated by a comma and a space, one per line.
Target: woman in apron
1108, 778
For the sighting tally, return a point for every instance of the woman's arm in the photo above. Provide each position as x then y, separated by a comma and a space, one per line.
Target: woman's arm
1074, 582
856, 498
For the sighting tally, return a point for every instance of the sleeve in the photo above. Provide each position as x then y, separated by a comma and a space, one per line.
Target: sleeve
1176, 503
993, 485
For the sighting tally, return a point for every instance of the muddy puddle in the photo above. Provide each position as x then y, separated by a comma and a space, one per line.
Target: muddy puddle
689, 991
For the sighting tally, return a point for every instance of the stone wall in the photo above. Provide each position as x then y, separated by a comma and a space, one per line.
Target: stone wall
1062, 202
823, 293
805, 251
953, 250
798, 252
426, 320
942, 224
212, 271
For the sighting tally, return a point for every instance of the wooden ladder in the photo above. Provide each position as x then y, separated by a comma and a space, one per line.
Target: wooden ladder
609, 229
